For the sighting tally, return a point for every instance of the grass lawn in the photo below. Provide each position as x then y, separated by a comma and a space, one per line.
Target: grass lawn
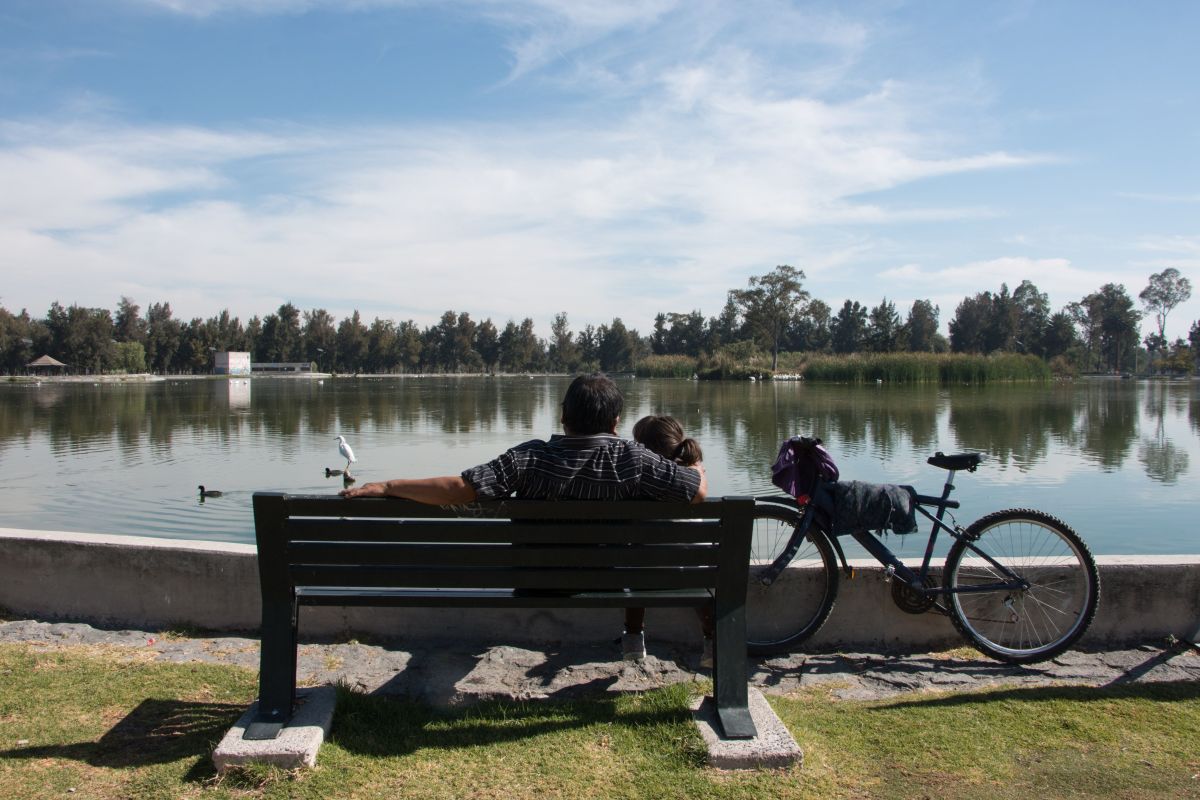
106, 726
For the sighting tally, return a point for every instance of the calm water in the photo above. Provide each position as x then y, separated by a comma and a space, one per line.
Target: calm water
1113, 458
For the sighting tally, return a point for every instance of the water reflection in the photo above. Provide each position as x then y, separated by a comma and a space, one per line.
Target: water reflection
277, 433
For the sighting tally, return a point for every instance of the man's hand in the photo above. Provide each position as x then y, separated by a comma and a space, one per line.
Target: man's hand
366, 490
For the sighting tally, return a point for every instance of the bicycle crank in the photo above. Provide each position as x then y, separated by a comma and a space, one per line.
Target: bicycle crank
912, 601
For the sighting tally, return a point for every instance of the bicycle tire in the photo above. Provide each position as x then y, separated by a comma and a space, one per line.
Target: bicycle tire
796, 605
1023, 626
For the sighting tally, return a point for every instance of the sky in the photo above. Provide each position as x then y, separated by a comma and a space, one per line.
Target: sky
602, 157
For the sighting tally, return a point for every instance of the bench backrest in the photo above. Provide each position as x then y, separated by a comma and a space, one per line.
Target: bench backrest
328, 541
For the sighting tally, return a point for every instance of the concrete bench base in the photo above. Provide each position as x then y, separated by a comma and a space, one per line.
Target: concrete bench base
772, 747
297, 744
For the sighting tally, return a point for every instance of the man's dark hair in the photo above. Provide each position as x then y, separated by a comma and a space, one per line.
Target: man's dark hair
592, 405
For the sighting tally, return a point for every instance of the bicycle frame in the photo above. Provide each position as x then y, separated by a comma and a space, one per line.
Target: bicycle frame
875, 546
916, 580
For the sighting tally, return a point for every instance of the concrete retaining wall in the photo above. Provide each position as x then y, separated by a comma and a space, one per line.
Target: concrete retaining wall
145, 583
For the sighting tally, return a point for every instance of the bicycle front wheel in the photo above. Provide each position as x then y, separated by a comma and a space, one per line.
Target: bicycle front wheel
1021, 625
797, 603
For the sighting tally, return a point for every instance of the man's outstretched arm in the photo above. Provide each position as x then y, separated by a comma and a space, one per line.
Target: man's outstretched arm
450, 490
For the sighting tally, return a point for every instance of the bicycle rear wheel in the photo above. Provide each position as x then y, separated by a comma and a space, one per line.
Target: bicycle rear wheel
1022, 626
797, 603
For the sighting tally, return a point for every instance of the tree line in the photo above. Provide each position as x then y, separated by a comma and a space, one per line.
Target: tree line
774, 313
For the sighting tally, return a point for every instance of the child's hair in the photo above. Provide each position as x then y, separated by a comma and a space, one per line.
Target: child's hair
664, 435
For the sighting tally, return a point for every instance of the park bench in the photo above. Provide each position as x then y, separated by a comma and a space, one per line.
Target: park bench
330, 551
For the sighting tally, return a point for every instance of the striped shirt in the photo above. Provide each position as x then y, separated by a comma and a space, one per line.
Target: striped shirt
600, 467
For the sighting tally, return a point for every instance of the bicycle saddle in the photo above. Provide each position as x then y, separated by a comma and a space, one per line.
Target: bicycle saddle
967, 461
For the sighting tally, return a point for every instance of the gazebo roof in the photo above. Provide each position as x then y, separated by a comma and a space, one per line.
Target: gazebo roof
45, 361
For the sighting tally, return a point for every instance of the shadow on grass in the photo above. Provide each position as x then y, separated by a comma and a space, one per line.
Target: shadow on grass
155, 732
387, 725
1166, 691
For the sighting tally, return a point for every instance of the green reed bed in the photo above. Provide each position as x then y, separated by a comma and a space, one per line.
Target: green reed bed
666, 367
948, 368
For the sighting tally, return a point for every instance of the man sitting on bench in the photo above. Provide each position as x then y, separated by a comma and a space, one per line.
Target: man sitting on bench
587, 462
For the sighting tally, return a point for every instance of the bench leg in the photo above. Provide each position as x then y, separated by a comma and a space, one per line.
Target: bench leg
276, 671
730, 675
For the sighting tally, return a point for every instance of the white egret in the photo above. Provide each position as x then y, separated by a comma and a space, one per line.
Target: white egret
346, 452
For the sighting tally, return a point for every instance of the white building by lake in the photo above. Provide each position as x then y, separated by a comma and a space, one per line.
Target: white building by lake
231, 363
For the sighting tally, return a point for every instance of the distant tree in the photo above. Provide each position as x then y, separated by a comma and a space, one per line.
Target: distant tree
771, 304
251, 336
849, 328
1032, 309
658, 339
618, 346
320, 337
83, 337
351, 344
281, 339
685, 334
883, 328
164, 334
130, 357
409, 343
969, 328
531, 349
196, 348
228, 334
1167, 289
563, 353
22, 339
812, 328
1194, 339
588, 341
127, 325
921, 327
487, 344
1110, 322
1059, 335
381, 356
725, 328
1155, 344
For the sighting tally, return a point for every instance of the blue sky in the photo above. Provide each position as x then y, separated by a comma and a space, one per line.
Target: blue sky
605, 159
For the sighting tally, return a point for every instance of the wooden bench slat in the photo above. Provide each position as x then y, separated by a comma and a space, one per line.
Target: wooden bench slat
505, 577
485, 531
584, 510
468, 598
402, 554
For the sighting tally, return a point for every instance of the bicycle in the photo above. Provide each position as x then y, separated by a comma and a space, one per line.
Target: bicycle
1020, 585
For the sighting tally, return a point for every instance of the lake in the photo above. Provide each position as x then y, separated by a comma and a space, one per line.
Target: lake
1111, 457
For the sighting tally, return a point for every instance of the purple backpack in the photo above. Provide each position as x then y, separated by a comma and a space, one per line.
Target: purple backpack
802, 462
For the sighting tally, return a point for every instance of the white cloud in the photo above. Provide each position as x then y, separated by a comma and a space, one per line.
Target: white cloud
722, 162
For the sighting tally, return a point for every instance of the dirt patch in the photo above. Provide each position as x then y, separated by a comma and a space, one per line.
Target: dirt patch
449, 673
